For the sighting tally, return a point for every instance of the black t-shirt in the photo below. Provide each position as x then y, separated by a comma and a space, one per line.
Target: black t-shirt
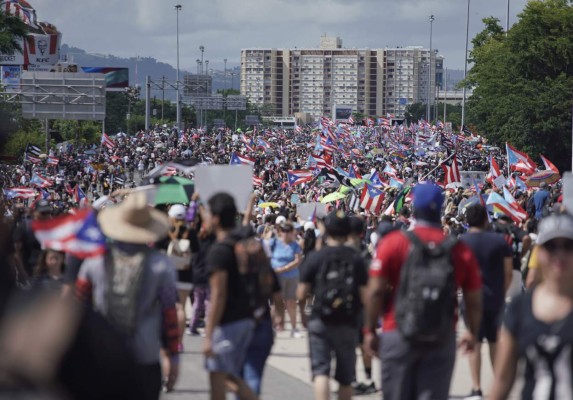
490, 249
221, 257
546, 349
313, 263
199, 261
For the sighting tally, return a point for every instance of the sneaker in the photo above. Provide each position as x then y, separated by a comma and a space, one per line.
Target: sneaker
369, 389
193, 332
358, 388
296, 334
475, 395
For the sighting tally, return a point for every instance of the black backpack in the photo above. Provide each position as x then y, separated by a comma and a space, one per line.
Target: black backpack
336, 294
426, 295
255, 273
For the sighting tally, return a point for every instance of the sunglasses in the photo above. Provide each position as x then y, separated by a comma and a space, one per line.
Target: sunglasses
559, 244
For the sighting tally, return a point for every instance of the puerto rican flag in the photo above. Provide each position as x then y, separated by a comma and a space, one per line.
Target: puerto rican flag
371, 199
80, 196
169, 171
264, 144
77, 234
549, 166
519, 161
350, 120
494, 170
19, 192
257, 181
40, 181
296, 177
20, 9
237, 159
519, 211
501, 205
451, 171
106, 141
32, 159
383, 121
390, 170
354, 172
53, 161
297, 129
376, 181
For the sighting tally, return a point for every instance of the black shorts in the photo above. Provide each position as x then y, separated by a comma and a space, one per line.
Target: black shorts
324, 340
490, 324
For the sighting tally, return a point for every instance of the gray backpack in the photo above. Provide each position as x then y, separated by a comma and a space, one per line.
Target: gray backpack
426, 294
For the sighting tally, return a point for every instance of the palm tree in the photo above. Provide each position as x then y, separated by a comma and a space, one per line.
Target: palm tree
12, 30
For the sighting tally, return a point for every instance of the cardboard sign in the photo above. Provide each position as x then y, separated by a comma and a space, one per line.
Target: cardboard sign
568, 191
295, 199
468, 178
499, 181
305, 210
237, 180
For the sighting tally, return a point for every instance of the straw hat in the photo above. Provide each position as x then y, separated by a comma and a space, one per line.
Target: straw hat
133, 221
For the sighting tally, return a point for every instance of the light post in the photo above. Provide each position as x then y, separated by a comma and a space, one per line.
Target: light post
428, 115
507, 20
465, 66
177, 9
225, 76
202, 50
206, 67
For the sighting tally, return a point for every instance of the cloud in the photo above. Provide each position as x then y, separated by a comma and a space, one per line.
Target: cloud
147, 27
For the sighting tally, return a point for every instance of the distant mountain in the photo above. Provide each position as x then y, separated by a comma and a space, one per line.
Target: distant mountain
140, 67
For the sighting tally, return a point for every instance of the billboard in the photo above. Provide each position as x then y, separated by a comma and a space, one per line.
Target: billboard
116, 78
342, 112
11, 78
53, 95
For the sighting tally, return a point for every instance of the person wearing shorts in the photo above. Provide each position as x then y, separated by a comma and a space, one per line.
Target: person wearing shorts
286, 256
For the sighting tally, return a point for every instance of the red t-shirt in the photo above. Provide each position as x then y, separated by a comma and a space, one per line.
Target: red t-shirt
392, 253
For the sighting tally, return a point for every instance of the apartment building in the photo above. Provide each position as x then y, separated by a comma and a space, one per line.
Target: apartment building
371, 81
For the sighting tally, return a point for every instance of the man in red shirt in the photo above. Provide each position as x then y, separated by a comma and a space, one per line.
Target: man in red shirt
409, 370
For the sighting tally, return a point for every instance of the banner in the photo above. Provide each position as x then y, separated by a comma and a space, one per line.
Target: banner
115, 77
41, 52
468, 178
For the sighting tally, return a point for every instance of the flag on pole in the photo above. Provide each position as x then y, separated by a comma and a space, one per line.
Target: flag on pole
296, 177
106, 141
34, 150
39, 181
519, 161
237, 159
548, 164
80, 196
520, 212
53, 161
19, 192
451, 171
371, 199
32, 159
501, 205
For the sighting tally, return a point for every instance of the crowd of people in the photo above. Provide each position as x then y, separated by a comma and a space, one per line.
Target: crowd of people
380, 268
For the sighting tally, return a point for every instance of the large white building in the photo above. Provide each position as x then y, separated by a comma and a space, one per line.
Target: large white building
371, 81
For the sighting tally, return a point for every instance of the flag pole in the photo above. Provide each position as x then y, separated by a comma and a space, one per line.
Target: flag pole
439, 165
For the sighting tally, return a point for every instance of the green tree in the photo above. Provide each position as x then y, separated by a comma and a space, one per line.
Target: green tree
523, 82
12, 31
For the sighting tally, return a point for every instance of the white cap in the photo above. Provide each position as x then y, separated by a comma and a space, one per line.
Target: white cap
177, 211
280, 219
309, 225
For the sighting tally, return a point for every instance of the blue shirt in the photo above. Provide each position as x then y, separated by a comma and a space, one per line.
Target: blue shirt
539, 199
282, 254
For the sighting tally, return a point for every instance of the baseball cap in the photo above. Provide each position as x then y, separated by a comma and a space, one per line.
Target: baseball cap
554, 227
280, 219
428, 201
177, 211
337, 224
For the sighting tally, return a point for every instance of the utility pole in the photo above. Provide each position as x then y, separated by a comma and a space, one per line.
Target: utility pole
428, 104
466, 65
178, 8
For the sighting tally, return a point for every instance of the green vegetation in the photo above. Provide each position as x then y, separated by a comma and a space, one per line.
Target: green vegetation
523, 82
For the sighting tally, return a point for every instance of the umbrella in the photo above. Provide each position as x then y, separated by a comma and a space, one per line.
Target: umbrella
542, 176
332, 197
165, 194
269, 204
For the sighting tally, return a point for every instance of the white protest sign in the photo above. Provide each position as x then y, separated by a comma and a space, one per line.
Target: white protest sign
499, 181
305, 210
568, 191
236, 180
468, 178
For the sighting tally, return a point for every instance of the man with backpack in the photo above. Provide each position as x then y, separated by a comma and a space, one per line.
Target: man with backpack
337, 276
421, 270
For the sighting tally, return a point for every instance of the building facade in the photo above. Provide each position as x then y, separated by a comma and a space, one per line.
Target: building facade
373, 82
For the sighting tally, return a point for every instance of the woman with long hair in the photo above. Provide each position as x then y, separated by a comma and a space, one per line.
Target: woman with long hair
49, 270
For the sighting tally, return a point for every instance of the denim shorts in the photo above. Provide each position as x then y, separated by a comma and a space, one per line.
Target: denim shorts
230, 344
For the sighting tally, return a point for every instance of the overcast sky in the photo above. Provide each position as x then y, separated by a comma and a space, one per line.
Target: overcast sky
147, 28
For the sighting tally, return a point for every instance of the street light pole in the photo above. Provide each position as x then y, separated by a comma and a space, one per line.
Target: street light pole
202, 49
225, 76
507, 20
177, 9
466, 66
428, 104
